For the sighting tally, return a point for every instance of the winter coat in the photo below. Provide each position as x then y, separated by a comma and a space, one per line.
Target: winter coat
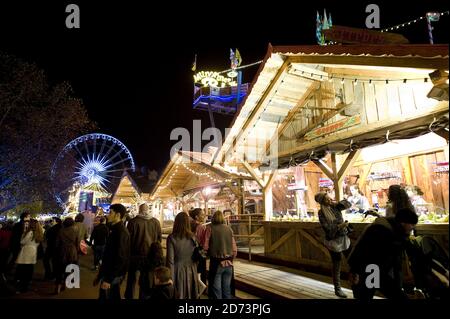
116, 256
143, 232
82, 232
331, 229
67, 245
99, 235
51, 235
381, 244
182, 267
28, 252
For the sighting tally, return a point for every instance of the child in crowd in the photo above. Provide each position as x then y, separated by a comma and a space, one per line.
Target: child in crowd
163, 285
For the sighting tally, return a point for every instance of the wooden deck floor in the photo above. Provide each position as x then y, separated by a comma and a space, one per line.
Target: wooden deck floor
284, 282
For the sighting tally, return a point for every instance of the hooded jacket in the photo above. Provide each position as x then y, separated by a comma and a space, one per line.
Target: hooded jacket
144, 232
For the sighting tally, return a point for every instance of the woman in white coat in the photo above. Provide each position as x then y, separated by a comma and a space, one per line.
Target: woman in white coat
31, 238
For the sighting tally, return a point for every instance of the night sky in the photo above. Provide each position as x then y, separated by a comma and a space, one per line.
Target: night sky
130, 62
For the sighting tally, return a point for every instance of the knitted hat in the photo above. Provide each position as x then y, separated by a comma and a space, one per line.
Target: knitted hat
406, 215
320, 197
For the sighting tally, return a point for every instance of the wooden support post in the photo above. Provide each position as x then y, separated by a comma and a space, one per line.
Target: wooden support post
252, 172
241, 198
324, 168
335, 174
161, 214
349, 161
268, 203
338, 193
362, 179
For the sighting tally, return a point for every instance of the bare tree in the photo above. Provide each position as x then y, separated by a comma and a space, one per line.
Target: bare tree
36, 121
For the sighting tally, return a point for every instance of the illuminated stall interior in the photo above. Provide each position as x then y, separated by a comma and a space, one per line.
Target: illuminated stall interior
190, 181
132, 191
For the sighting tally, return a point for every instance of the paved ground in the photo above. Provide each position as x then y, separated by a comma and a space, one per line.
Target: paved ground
41, 289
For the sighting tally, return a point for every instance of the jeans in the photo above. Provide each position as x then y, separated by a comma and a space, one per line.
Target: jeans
98, 254
222, 283
112, 293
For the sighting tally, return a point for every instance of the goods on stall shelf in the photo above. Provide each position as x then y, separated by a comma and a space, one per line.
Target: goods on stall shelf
384, 175
440, 167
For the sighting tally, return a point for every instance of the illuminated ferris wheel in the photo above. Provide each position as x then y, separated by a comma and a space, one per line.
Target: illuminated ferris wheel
92, 162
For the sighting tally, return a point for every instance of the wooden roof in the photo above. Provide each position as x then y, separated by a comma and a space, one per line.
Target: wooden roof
128, 190
290, 87
190, 171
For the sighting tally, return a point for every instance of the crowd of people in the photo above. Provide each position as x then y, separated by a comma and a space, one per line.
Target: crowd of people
131, 249
126, 249
407, 263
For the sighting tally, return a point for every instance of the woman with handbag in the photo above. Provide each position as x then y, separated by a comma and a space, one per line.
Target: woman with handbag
180, 251
222, 249
336, 234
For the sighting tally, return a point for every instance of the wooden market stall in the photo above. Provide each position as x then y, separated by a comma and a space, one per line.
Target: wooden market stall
315, 115
132, 191
189, 181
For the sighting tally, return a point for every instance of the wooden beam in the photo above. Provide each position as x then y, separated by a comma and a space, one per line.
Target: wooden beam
441, 109
412, 62
350, 159
258, 232
268, 203
271, 179
336, 181
258, 107
324, 168
173, 192
298, 246
323, 119
282, 239
315, 242
362, 179
252, 172
313, 87
231, 187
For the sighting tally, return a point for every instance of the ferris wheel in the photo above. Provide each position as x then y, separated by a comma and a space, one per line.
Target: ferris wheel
96, 161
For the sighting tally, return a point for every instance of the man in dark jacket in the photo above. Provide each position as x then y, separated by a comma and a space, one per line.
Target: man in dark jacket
98, 241
50, 237
381, 247
116, 256
144, 231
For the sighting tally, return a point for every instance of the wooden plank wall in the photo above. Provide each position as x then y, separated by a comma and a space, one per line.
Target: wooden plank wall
415, 170
380, 102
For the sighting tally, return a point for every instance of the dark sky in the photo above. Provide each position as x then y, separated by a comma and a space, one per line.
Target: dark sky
130, 61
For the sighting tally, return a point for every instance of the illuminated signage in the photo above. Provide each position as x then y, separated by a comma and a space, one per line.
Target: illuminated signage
334, 127
213, 79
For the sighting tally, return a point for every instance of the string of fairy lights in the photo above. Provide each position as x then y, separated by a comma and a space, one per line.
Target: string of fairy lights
356, 80
342, 79
399, 26
405, 24
192, 171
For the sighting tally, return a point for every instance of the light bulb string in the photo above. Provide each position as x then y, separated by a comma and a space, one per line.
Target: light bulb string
313, 75
402, 25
